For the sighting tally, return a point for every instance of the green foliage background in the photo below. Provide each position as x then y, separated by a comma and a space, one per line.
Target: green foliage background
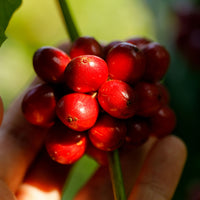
39, 23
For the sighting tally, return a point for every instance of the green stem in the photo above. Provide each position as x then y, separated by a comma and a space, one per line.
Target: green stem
114, 162
116, 176
69, 22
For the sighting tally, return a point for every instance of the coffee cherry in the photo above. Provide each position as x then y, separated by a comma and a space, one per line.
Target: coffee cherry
164, 94
78, 111
49, 63
100, 156
157, 59
118, 99
125, 62
39, 105
109, 46
86, 46
138, 41
163, 122
108, 133
138, 131
64, 145
86, 73
148, 98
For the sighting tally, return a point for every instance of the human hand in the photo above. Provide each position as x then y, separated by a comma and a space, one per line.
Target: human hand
151, 171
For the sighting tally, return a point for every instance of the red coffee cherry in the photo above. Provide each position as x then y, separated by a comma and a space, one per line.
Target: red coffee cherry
138, 131
125, 62
78, 111
49, 63
39, 105
64, 145
86, 73
118, 99
138, 41
86, 46
157, 59
109, 46
108, 133
163, 122
164, 94
100, 156
148, 98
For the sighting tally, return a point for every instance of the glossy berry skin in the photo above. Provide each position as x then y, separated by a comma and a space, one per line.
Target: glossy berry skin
109, 46
163, 122
39, 105
78, 111
108, 133
49, 64
138, 131
118, 99
157, 59
86, 73
138, 41
100, 156
148, 98
164, 94
86, 45
126, 63
64, 145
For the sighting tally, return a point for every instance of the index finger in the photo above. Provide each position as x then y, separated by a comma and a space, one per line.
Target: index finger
19, 141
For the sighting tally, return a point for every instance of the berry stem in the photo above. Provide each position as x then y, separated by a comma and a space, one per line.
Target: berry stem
116, 175
69, 22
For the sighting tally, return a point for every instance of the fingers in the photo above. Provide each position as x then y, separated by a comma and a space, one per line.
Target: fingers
44, 181
99, 186
1, 110
5, 193
19, 143
161, 171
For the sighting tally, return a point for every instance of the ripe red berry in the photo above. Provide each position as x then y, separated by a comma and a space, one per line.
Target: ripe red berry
157, 59
138, 41
148, 98
164, 94
163, 122
86, 73
125, 62
138, 131
86, 46
100, 156
64, 145
109, 46
49, 63
78, 111
118, 99
108, 133
39, 105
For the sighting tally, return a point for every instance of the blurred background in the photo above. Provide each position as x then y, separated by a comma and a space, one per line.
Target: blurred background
173, 23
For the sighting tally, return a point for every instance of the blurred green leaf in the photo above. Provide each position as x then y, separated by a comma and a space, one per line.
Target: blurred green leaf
7, 8
79, 175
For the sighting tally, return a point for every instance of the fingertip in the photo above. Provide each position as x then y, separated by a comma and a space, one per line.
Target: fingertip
177, 145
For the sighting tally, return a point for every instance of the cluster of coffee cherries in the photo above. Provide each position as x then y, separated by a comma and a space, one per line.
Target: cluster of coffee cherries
98, 98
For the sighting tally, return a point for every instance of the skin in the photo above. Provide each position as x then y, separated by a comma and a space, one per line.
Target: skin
151, 171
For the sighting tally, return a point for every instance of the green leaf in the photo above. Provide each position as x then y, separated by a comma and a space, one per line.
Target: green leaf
7, 8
